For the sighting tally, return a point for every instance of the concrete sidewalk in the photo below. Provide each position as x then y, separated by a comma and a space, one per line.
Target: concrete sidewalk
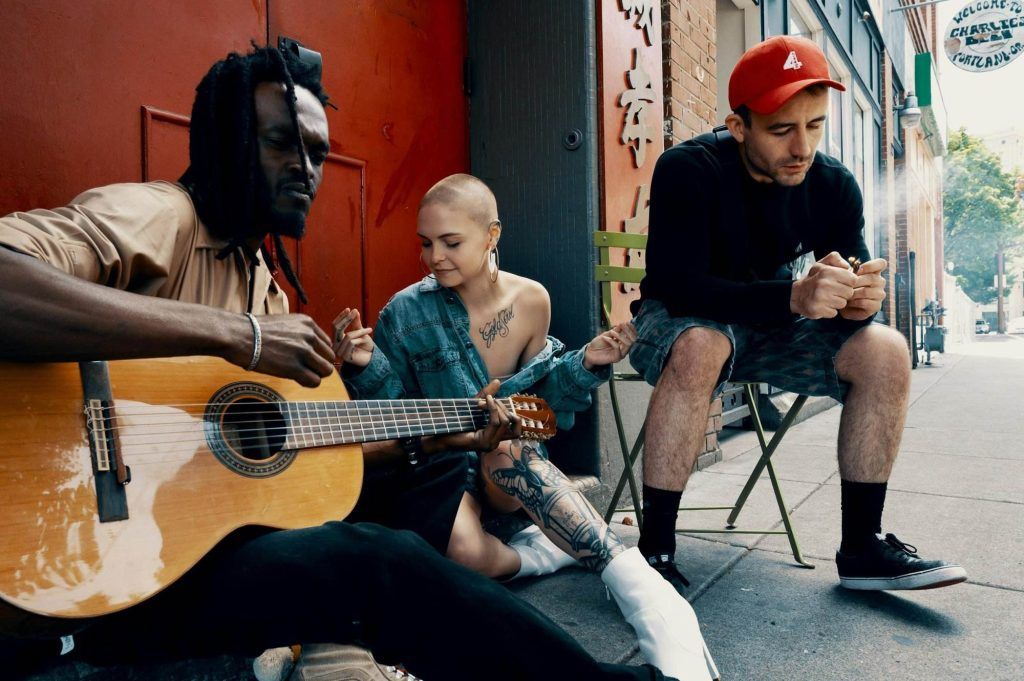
957, 493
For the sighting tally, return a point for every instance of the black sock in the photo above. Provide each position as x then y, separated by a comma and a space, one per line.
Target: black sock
862, 513
658, 535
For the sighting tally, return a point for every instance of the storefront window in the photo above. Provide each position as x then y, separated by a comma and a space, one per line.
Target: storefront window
864, 168
797, 25
835, 124
858, 144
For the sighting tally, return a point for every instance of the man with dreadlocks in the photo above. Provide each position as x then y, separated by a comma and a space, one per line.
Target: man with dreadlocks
164, 269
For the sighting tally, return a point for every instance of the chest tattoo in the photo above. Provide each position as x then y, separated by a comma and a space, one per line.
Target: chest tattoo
497, 326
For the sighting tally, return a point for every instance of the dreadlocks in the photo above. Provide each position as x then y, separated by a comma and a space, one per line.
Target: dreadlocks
224, 174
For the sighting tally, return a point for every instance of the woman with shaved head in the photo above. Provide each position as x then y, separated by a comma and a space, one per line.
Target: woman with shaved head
463, 327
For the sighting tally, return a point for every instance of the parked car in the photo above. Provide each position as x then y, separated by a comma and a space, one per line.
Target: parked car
1015, 325
981, 326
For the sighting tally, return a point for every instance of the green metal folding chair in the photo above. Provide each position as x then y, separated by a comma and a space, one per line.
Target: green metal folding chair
608, 275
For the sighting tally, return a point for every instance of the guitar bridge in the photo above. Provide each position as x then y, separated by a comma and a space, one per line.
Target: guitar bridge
111, 475
100, 434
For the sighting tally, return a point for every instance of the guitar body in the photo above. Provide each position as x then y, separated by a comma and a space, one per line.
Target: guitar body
58, 559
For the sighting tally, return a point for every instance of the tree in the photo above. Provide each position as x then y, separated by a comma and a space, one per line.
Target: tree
984, 218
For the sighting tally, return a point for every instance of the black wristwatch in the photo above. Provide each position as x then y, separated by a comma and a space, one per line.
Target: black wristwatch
413, 447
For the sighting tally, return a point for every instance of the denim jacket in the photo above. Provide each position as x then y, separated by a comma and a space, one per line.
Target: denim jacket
424, 350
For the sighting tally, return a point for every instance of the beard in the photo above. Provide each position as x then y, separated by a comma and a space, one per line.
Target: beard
760, 163
282, 220
288, 223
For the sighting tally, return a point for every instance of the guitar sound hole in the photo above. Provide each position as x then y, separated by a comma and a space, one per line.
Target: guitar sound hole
253, 429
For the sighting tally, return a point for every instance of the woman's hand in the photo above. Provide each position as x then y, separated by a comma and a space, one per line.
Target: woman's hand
353, 346
609, 347
501, 426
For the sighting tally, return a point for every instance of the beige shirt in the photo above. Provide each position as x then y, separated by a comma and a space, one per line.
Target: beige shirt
143, 238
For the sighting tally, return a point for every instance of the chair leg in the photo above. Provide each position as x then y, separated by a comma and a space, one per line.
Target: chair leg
628, 460
629, 456
786, 520
767, 449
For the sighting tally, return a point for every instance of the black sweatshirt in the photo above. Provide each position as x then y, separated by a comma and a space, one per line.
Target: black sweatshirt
720, 243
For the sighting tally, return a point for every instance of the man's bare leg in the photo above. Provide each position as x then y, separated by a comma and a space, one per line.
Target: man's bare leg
876, 363
676, 419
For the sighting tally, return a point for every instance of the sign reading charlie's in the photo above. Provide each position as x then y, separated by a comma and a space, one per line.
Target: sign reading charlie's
986, 34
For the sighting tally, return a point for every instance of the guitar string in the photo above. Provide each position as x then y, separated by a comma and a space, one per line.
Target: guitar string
366, 418
291, 441
363, 411
309, 408
306, 434
351, 418
360, 404
304, 411
309, 428
329, 422
309, 422
317, 439
337, 415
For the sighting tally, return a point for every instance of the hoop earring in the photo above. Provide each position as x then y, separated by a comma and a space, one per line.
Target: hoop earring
494, 264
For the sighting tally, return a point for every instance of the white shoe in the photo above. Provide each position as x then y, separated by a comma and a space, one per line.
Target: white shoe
538, 555
273, 664
665, 624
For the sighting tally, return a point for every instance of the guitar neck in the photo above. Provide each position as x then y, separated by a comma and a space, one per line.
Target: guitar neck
324, 424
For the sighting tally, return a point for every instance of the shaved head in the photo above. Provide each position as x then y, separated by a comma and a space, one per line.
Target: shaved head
465, 194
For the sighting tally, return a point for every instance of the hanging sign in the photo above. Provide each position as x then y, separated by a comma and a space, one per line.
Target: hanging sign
986, 35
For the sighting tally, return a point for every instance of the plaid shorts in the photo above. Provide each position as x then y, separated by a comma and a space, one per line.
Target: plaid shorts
799, 357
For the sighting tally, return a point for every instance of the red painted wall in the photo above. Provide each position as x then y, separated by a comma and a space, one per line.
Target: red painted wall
76, 75
394, 68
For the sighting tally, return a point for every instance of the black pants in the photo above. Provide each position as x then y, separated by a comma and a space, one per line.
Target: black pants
342, 583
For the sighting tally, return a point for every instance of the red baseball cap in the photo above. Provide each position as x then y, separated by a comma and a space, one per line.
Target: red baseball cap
771, 72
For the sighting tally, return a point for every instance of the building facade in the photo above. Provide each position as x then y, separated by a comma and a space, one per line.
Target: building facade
561, 107
1008, 145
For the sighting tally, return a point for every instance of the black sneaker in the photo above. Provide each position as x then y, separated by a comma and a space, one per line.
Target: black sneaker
889, 564
666, 567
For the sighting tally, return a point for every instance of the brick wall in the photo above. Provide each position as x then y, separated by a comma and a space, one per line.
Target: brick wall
688, 52
902, 258
691, 103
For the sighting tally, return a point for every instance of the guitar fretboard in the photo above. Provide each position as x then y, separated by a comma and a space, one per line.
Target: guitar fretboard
322, 424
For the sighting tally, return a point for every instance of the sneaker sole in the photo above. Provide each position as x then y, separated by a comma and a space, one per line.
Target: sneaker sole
926, 579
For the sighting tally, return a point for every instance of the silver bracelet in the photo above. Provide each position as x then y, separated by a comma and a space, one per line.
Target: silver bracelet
257, 341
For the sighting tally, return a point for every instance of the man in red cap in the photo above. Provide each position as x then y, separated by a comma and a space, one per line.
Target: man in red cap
731, 211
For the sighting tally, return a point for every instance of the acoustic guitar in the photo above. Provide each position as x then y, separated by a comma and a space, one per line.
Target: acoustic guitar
116, 478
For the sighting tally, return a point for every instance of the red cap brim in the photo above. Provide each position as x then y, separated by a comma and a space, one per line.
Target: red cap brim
770, 102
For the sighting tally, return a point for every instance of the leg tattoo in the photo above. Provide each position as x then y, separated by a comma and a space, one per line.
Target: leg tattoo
558, 508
